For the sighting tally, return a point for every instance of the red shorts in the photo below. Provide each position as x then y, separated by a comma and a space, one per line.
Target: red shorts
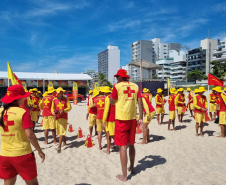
24, 165
125, 132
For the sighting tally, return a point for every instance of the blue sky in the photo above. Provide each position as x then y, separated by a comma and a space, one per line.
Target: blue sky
67, 35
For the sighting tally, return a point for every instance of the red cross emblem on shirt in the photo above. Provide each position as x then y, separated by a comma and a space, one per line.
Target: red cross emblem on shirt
7, 123
170, 99
201, 100
129, 92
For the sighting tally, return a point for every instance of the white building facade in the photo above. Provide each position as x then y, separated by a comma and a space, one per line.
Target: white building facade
219, 54
174, 66
109, 62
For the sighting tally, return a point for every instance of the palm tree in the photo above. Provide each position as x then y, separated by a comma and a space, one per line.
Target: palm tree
102, 78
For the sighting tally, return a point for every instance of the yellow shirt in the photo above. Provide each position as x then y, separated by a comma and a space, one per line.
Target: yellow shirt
145, 105
106, 108
14, 141
196, 102
125, 94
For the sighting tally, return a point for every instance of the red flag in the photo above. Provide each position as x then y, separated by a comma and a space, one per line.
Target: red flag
18, 81
212, 80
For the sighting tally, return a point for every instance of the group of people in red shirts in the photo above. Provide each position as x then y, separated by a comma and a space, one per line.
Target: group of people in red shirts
111, 110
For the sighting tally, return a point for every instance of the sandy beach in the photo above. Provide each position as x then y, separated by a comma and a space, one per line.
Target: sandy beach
172, 157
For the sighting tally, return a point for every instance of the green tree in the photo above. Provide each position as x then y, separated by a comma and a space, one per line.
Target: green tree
196, 75
102, 78
219, 69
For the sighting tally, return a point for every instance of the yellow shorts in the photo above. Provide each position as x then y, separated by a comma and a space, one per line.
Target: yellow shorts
191, 106
34, 115
213, 107
176, 107
92, 119
38, 113
61, 126
180, 110
99, 125
172, 115
199, 117
152, 114
110, 128
49, 122
222, 118
160, 110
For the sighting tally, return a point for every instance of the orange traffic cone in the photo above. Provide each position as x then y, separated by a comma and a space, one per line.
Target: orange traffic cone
139, 130
89, 142
80, 134
70, 129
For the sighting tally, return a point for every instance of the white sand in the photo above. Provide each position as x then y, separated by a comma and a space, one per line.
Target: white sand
173, 157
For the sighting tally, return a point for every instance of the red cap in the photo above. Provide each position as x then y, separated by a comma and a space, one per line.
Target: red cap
14, 92
122, 73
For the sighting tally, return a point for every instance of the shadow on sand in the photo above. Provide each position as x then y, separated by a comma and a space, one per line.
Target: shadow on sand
147, 162
209, 132
179, 127
75, 144
156, 138
187, 120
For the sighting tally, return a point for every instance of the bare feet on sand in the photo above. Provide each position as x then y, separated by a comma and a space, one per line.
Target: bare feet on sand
121, 178
45, 142
131, 170
143, 142
106, 152
221, 136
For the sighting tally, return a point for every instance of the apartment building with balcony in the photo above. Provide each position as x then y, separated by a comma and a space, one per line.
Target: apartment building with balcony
174, 67
197, 59
219, 54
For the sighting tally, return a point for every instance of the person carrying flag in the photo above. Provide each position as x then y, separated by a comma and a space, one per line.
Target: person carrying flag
180, 102
125, 96
48, 117
172, 113
213, 106
60, 108
159, 100
147, 94
201, 105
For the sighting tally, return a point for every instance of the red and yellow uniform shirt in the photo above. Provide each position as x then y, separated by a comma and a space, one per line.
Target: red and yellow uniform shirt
190, 97
180, 100
126, 95
200, 102
46, 104
212, 97
14, 141
149, 105
171, 102
99, 101
159, 100
147, 96
109, 110
92, 110
222, 102
58, 105
35, 102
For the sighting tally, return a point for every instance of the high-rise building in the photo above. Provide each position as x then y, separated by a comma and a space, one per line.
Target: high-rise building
209, 45
109, 62
220, 53
141, 49
197, 59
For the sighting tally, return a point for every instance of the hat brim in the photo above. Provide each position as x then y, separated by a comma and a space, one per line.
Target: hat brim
124, 76
219, 91
61, 91
51, 91
8, 99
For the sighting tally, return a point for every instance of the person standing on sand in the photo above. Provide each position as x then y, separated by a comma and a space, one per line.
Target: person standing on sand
201, 105
109, 118
147, 94
99, 102
35, 102
213, 105
159, 100
125, 96
172, 113
17, 135
60, 108
180, 102
48, 117
92, 112
222, 111
190, 101
149, 113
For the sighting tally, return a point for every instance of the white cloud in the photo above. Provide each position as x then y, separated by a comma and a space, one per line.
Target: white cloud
124, 24
221, 36
220, 7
